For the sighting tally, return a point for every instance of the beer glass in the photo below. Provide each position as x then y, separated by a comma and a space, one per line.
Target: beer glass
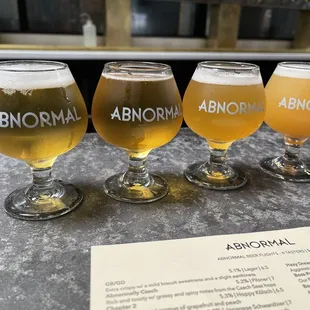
224, 102
42, 115
288, 112
136, 107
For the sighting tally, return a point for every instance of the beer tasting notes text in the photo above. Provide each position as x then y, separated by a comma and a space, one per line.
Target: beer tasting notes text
266, 270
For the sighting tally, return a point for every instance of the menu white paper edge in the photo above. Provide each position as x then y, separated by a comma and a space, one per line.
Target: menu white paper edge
261, 270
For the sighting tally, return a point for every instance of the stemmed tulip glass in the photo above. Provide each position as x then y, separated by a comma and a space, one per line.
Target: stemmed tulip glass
288, 112
43, 115
224, 102
137, 107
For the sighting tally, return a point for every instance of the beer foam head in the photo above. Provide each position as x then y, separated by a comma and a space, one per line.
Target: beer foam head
293, 70
139, 77
227, 74
26, 76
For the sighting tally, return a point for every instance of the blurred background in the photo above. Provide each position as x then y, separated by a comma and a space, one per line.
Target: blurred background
178, 32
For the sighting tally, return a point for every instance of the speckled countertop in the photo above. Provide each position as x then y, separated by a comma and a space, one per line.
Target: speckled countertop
46, 265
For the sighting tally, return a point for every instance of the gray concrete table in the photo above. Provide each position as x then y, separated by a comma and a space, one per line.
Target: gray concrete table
46, 265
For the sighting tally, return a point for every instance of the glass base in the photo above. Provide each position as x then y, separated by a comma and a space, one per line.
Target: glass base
65, 198
196, 173
155, 190
294, 173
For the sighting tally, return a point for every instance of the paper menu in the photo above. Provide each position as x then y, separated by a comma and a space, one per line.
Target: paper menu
265, 270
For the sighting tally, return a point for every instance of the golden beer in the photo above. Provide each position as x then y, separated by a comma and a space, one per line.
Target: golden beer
137, 114
288, 112
224, 102
225, 111
137, 107
42, 115
288, 102
40, 122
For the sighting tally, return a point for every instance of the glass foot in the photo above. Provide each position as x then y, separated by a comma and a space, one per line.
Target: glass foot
276, 167
156, 189
198, 174
64, 198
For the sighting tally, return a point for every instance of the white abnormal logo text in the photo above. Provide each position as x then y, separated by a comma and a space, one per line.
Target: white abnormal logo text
146, 115
231, 108
295, 104
40, 119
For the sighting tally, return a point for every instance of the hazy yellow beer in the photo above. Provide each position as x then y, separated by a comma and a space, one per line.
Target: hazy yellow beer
224, 109
288, 101
224, 102
42, 115
137, 114
137, 107
40, 118
288, 112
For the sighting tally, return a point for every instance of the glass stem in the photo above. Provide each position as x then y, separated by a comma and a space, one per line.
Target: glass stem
217, 160
43, 185
137, 174
217, 167
42, 178
292, 152
217, 157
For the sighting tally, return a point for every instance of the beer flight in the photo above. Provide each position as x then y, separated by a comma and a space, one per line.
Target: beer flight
137, 107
